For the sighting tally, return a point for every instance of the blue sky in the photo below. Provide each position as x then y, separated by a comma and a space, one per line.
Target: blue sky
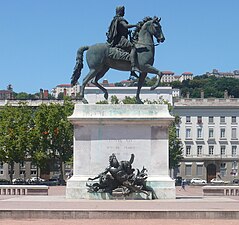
39, 39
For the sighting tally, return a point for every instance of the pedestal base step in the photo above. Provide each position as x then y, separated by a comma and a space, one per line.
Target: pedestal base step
116, 195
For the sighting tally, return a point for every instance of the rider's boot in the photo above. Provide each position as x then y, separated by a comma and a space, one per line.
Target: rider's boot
133, 58
135, 69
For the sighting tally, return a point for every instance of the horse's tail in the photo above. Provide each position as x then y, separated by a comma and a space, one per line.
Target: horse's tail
79, 65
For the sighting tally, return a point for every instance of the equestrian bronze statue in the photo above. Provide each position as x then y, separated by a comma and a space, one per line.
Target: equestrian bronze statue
137, 55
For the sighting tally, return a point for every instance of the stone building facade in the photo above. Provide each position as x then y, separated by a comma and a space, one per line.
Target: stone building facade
209, 131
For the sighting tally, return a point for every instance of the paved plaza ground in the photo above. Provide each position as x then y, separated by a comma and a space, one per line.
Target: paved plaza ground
190, 199
120, 222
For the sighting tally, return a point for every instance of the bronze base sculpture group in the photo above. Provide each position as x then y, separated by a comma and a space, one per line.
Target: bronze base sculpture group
120, 177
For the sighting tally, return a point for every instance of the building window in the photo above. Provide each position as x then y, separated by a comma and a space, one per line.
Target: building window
234, 119
33, 172
223, 169
234, 165
210, 119
188, 170
199, 150
188, 133
211, 132
234, 133
234, 171
22, 172
22, 165
234, 150
1, 168
199, 120
223, 150
210, 151
222, 119
188, 150
188, 119
33, 169
9, 172
199, 170
199, 133
222, 133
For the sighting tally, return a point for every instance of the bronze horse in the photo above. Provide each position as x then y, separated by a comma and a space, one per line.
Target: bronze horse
100, 58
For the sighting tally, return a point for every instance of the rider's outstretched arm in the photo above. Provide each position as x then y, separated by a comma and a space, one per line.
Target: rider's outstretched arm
128, 25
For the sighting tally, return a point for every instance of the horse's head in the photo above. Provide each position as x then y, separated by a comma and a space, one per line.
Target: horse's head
158, 30
153, 26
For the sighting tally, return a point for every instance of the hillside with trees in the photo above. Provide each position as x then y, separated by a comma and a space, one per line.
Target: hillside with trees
213, 87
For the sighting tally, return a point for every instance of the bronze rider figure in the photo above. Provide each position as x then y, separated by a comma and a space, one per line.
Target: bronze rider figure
117, 36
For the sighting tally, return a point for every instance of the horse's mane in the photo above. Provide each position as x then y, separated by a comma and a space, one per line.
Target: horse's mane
139, 26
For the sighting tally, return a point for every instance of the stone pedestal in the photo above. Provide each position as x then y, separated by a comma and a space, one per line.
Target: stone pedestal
100, 130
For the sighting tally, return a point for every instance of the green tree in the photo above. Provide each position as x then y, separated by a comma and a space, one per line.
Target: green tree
114, 100
60, 96
129, 100
15, 128
22, 96
150, 81
175, 146
176, 84
61, 133
119, 84
39, 140
102, 102
212, 86
55, 135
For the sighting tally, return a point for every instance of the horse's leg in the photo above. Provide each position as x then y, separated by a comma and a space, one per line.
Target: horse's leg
142, 77
96, 83
150, 69
88, 77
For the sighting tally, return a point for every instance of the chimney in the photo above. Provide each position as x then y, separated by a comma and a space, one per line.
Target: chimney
41, 93
45, 95
105, 83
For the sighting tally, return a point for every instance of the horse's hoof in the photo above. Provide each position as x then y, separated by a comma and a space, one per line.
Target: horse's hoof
82, 99
85, 101
153, 88
106, 96
138, 101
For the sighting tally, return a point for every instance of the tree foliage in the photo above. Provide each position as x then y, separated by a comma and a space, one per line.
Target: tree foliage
15, 131
54, 135
43, 135
129, 100
175, 146
211, 85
